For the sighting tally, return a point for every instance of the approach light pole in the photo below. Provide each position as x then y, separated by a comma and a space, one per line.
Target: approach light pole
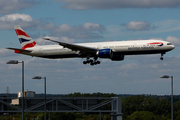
16, 62
39, 77
167, 76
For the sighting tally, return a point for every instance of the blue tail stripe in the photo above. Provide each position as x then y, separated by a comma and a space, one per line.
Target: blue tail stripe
23, 40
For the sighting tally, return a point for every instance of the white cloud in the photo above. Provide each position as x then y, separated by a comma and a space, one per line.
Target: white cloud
9, 6
66, 39
116, 4
5, 52
9, 21
64, 28
167, 26
138, 25
91, 26
85, 31
47, 26
130, 66
64, 31
14, 17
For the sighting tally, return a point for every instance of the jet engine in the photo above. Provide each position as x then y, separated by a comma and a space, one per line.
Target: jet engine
105, 53
117, 58
108, 53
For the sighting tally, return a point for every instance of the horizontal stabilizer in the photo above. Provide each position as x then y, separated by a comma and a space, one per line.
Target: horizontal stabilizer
20, 50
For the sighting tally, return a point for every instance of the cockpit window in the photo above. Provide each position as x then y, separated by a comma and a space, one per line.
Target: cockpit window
169, 43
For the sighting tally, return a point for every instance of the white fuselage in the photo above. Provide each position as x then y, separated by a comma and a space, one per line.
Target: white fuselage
119, 47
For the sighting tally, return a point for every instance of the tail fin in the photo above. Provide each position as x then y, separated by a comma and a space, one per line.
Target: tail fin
25, 40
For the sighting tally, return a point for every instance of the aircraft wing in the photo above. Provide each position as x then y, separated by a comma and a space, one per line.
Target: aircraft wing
21, 50
75, 47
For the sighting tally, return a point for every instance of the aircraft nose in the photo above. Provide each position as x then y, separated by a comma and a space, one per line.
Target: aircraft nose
173, 46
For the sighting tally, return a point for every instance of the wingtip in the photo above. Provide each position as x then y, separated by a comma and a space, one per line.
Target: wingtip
46, 38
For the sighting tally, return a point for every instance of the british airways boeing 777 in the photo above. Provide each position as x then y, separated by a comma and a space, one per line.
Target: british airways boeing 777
112, 50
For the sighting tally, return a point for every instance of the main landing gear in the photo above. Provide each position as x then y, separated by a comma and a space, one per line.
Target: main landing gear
91, 62
162, 56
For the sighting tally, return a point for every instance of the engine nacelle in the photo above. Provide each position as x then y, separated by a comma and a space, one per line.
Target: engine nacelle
105, 53
108, 53
117, 57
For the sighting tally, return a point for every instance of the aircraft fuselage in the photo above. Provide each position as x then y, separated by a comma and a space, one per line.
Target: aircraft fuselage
118, 47
115, 50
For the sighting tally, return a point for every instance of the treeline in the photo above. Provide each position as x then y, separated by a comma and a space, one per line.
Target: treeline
134, 107
142, 107
148, 108
90, 95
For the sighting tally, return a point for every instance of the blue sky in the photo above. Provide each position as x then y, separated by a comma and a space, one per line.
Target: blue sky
90, 21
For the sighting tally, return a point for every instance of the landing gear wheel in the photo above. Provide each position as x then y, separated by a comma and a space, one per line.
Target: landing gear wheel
161, 58
91, 62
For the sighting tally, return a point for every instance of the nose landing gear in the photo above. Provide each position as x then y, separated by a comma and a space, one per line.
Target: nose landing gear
161, 58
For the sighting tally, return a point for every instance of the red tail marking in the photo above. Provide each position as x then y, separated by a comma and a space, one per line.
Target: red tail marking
20, 32
29, 45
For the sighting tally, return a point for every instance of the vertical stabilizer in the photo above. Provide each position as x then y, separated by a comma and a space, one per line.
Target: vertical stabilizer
25, 40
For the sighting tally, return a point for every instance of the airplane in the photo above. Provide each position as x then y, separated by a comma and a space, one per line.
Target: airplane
114, 50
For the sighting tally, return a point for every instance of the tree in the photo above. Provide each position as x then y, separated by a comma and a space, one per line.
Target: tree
177, 115
142, 115
138, 103
163, 107
177, 106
